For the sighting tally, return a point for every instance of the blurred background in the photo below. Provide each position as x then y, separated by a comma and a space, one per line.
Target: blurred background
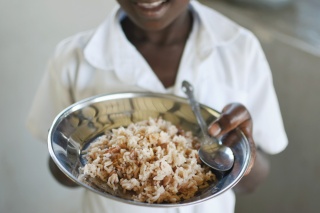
289, 31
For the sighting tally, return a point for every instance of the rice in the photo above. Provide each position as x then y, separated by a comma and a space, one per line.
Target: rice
153, 159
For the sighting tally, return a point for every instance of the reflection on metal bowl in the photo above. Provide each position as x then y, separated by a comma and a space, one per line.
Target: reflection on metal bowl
78, 125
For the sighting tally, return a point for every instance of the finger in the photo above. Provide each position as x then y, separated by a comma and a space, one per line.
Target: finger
232, 116
246, 128
252, 155
231, 139
235, 116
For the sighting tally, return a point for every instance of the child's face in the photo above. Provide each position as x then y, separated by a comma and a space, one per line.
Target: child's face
152, 15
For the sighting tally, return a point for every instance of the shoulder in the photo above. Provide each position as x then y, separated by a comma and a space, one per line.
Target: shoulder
224, 32
68, 55
72, 47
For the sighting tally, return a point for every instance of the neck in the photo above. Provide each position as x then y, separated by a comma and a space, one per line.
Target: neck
178, 31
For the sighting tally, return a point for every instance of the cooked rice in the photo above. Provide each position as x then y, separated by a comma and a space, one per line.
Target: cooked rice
152, 158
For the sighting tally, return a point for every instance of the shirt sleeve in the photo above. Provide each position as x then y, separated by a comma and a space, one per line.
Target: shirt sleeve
268, 129
52, 96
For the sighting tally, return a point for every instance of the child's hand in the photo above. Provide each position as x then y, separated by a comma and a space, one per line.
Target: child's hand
233, 116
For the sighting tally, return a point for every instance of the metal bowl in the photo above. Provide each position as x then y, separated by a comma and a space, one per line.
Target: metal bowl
78, 125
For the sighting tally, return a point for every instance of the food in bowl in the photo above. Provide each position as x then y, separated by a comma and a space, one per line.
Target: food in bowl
153, 160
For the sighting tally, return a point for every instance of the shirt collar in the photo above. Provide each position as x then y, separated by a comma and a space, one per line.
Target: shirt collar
98, 51
216, 29
108, 51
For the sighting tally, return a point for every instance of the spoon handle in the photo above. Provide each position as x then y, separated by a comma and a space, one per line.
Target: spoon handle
188, 90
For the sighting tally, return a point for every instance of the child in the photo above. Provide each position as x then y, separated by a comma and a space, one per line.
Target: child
153, 45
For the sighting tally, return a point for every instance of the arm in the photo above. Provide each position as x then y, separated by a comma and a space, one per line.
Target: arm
237, 116
258, 174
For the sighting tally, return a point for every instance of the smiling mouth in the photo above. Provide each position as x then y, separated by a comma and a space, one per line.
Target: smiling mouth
151, 5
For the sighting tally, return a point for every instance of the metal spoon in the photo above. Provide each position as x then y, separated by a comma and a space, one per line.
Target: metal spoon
211, 152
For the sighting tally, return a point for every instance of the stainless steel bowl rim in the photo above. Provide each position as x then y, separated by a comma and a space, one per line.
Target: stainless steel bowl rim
114, 96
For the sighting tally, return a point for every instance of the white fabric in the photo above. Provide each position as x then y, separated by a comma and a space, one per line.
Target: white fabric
93, 203
223, 61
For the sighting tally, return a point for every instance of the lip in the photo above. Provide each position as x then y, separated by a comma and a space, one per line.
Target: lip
152, 9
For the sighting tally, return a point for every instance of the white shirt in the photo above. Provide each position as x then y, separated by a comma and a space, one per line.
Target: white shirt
223, 61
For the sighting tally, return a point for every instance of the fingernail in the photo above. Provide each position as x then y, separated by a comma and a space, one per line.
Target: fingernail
215, 129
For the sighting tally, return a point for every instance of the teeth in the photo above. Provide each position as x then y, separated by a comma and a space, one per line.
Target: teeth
151, 5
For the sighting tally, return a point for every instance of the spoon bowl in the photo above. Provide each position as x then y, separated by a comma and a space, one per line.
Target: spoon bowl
212, 152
